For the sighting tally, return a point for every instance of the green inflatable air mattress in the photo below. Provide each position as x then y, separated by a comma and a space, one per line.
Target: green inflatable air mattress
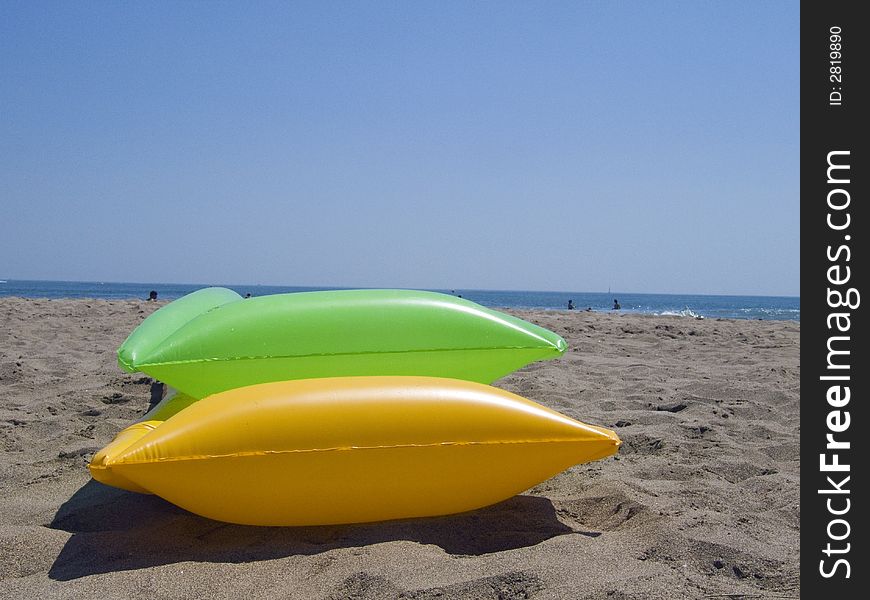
213, 340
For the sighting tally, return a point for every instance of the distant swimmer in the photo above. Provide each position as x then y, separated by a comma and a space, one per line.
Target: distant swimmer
152, 296
616, 304
248, 295
570, 305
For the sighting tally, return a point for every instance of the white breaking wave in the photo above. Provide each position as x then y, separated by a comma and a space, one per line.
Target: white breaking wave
686, 312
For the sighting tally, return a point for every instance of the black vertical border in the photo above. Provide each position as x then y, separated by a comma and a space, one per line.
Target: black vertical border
827, 127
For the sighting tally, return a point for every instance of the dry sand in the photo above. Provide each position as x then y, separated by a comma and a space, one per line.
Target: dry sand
702, 500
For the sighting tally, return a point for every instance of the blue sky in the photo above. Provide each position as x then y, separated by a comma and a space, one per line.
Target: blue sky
642, 146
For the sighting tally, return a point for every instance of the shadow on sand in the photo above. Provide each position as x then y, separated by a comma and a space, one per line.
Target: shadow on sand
114, 530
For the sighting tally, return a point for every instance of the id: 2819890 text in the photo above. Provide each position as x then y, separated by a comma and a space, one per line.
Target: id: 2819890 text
835, 98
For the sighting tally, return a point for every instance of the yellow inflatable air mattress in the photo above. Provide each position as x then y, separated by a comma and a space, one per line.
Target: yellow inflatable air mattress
348, 450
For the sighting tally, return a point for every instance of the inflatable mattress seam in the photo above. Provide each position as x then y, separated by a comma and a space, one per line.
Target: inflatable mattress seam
257, 453
231, 358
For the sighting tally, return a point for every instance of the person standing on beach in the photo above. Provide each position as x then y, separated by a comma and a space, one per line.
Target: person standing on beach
616, 304
570, 305
152, 296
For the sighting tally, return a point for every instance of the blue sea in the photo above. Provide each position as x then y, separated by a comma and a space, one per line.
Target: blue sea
728, 307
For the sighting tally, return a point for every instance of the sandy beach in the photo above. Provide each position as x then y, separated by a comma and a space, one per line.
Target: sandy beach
701, 502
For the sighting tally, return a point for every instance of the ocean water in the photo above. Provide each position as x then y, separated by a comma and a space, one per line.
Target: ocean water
727, 307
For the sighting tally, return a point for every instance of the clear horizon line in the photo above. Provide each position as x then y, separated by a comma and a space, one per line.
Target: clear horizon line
467, 289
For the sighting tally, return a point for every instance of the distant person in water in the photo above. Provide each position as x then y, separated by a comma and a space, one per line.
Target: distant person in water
248, 295
152, 296
616, 304
570, 305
